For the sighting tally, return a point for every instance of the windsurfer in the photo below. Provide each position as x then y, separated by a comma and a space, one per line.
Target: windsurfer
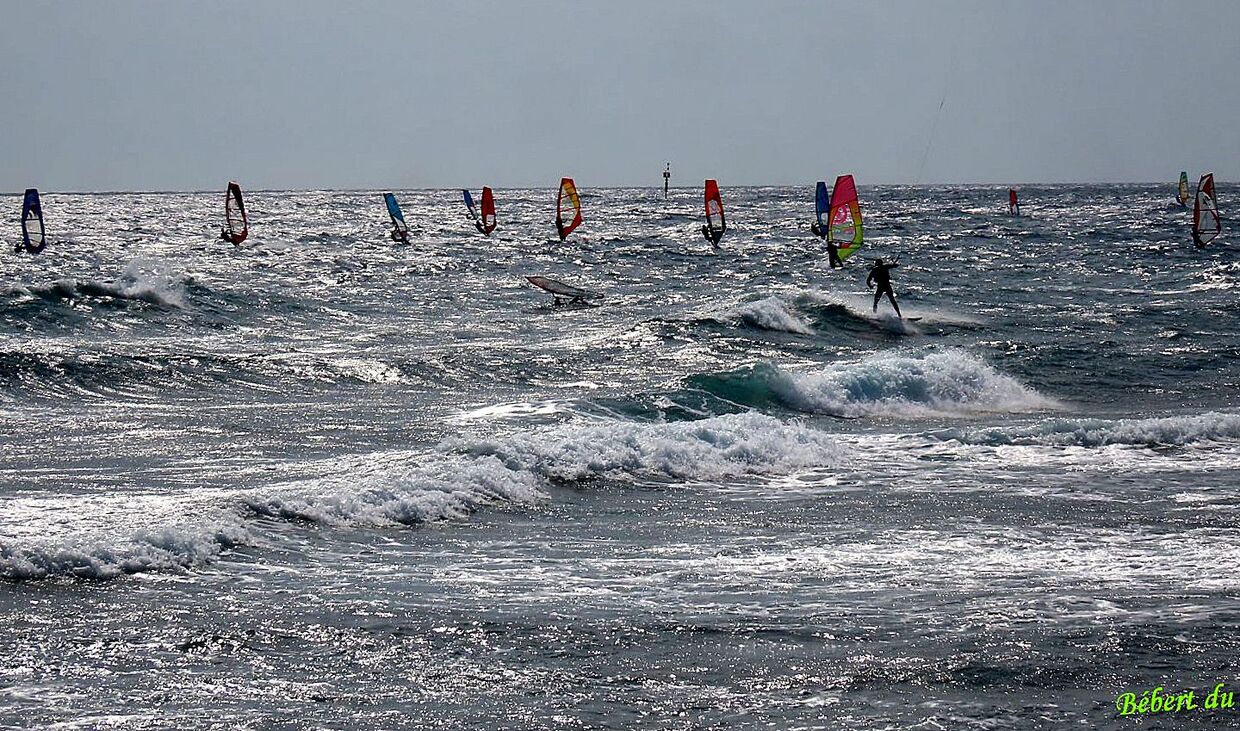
224, 235
880, 274
833, 255
712, 235
559, 227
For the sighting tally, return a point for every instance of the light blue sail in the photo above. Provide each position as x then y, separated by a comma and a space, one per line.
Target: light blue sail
398, 218
400, 230
469, 203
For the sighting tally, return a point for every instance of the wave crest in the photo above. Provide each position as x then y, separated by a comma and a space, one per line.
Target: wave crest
1170, 431
951, 382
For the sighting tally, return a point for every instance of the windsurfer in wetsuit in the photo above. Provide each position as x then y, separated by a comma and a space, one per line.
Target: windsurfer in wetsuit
559, 226
712, 235
833, 251
880, 274
224, 235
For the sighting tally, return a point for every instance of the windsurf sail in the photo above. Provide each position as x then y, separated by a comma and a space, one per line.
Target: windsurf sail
1013, 204
845, 230
667, 178
716, 223
559, 289
400, 230
1206, 223
1181, 195
33, 236
488, 211
568, 202
469, 205
234, 215
822, 207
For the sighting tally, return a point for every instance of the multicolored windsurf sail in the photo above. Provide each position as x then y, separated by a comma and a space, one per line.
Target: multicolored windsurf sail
488, 211
400, 229
845, 230
822, 207
1206, 223
1013, 203
469, 205
567, 202
33, 236
238, 226
1181, 194
716, 223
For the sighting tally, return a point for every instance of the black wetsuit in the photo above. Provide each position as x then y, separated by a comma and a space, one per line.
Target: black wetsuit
559, 227
880, 275
833, 255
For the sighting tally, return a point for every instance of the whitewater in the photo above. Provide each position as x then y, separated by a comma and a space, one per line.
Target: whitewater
327, 481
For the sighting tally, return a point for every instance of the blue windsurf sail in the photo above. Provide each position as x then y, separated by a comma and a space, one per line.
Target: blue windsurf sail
822, 207
33, 236
400, 230
469, 205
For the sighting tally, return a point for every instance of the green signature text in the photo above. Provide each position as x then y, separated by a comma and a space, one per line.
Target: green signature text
1158, 701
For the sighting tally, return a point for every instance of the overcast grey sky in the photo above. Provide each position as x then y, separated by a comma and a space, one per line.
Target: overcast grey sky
136, 95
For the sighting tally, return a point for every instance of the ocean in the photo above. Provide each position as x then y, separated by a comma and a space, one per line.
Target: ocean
326, 481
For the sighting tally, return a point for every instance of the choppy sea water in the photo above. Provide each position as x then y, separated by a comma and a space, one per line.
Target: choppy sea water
328, 481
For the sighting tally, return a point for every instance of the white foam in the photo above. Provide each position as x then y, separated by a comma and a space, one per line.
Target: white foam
1151, 432
721, 446
440, 489
950, 382
101, 537
110, 535
145, 281
770, 313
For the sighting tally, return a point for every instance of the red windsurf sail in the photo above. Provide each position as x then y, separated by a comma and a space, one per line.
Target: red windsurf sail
1013, 204
716, 224
488, 211
567, 203
845, 231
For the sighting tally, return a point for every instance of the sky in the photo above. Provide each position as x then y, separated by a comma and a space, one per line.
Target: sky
293, 94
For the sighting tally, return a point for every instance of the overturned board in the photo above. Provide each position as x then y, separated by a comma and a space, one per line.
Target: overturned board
560, 289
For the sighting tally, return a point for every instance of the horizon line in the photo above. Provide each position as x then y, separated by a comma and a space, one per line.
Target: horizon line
1173, 183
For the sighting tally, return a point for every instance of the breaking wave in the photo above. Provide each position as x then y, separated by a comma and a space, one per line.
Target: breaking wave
460, 478
950, 382
1170, 431
770, 313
